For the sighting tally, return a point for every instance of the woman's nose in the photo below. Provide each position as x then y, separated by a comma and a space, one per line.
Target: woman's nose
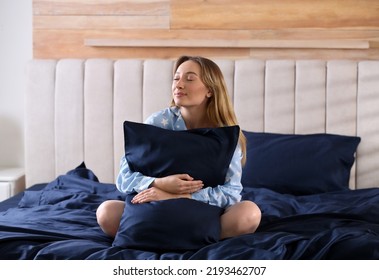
179, 84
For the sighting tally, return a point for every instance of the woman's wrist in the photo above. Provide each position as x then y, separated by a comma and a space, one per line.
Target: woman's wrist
155, 183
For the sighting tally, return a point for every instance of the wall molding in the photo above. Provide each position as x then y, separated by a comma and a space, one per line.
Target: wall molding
217, 43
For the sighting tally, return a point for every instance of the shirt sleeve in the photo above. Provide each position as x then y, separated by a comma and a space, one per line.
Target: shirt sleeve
228, 193
128, 181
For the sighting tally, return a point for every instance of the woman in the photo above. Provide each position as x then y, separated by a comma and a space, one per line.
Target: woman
200, 99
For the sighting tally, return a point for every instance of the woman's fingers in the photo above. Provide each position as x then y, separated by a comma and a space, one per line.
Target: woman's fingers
141, 197
191, 186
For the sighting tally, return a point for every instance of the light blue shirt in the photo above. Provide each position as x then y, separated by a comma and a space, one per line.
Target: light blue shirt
222, 195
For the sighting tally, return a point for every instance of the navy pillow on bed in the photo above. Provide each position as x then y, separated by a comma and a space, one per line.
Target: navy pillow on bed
299, 164
168, 225
204, 154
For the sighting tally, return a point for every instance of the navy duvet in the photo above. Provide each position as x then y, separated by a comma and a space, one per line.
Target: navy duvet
59, 222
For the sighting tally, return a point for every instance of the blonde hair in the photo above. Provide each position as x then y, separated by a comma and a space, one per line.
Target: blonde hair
219, 108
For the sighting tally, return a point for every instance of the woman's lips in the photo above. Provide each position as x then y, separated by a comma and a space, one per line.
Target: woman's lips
179, 94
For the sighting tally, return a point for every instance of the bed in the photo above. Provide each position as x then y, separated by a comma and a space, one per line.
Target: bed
313, 156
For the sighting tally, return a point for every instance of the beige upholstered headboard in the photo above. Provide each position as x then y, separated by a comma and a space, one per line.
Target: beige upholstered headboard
75, 108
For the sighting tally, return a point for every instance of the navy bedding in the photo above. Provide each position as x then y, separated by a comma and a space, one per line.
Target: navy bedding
59, 222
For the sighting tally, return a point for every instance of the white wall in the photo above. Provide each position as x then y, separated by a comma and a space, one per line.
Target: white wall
15, 50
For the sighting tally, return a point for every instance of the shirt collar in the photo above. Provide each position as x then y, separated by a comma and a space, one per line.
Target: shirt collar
179, 123
176, 111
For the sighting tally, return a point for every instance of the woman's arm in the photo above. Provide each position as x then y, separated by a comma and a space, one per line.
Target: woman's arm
222, 195
128, 181
180, 184
228, 193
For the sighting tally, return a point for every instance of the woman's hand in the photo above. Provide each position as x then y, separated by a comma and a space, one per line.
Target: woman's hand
173, 186
155, 194
178, 184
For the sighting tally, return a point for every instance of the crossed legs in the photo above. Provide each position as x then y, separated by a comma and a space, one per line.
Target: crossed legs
241, 218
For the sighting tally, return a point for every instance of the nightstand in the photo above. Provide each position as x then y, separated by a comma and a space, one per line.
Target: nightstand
12, 181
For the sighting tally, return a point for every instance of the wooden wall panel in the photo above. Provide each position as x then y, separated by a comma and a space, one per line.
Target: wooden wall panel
274, 14
279, 29
101, 7
100, 22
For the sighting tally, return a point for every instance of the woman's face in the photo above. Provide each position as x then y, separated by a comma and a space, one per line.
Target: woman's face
187, 87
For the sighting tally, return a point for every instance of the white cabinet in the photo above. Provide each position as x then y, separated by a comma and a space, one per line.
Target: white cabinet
12, 181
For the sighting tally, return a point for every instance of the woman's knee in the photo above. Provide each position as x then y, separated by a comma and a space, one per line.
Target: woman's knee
101, 212
252, 214
108, 216
241, 218
249, 216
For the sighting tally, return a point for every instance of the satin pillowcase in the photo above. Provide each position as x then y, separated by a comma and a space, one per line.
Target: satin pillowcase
299, 164
204, 154
168, 225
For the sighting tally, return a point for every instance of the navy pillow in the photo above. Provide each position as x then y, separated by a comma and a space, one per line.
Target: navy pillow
299, 164
168, 225
204, 154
